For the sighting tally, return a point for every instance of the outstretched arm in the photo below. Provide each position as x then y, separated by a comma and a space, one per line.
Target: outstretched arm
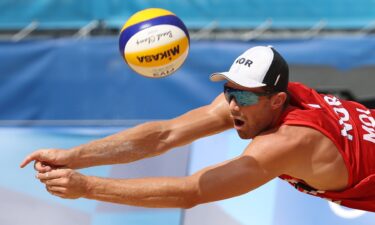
226, 180
145, 140
260, 163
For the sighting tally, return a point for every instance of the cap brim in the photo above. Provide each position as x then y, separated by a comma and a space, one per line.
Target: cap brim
235, 79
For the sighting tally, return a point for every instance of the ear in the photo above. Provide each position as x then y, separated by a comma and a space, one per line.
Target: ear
278, 100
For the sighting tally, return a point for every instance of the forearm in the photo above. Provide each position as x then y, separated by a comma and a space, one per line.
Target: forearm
142, 141
154, 138
225, 180
161, 192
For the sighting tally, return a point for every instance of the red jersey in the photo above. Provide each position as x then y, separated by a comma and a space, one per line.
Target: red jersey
351, 127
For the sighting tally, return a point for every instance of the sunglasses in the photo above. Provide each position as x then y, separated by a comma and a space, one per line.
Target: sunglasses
243, 98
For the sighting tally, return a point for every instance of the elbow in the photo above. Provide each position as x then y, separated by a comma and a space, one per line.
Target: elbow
187, 206
192, 196
189, 203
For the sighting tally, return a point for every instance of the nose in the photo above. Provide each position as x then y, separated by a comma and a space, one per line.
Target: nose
233, 105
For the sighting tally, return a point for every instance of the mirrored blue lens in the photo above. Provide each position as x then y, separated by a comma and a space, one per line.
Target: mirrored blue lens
243, 98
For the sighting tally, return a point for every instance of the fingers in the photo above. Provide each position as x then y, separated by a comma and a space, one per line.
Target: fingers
42, 167
55, 186
43, 155
65, 183
50, 159
53, 174
54, 181
57, 191
58, 182
29, 158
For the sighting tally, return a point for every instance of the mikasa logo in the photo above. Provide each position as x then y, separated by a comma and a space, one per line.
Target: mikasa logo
161, 55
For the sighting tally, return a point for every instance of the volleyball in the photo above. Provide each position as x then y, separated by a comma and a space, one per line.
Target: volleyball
154, 42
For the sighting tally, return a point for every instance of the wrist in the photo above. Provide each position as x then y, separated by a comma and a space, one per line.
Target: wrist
88, 180
72, 158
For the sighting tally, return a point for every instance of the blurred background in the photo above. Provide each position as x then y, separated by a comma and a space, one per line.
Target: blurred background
63, 82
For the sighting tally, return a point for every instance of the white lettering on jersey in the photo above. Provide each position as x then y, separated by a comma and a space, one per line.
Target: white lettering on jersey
368, 124
343, 114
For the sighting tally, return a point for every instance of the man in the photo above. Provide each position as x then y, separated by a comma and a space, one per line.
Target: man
320, 144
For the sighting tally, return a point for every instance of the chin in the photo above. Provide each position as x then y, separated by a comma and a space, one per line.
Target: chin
245, 135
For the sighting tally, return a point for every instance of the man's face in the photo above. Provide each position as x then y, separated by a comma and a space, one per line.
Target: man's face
252, 118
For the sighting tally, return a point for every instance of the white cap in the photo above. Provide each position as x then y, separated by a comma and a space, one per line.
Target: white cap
257, 67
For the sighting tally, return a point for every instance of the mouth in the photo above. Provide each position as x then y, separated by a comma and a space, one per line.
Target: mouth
238, 123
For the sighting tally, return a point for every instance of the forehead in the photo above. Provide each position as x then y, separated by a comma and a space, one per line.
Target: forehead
236, 86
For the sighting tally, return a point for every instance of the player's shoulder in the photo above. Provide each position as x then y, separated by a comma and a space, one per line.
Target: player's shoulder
288, 138
280, 149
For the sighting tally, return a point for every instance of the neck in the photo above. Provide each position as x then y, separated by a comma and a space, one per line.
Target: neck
276, 118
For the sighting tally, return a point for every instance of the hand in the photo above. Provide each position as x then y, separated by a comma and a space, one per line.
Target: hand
48, 159
65, 183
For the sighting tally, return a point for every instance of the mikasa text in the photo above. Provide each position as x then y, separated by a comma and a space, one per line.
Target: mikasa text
368, 122
161, 55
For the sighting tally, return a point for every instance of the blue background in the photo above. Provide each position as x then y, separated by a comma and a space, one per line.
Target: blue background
69, 79
59, 92
63, 92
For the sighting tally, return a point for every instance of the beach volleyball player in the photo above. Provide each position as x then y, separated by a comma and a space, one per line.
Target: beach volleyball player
322, 145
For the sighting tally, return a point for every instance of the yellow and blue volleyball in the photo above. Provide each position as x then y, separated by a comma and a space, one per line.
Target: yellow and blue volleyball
154, 42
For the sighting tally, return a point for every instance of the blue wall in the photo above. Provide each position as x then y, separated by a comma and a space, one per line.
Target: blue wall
68, 79
64, 80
